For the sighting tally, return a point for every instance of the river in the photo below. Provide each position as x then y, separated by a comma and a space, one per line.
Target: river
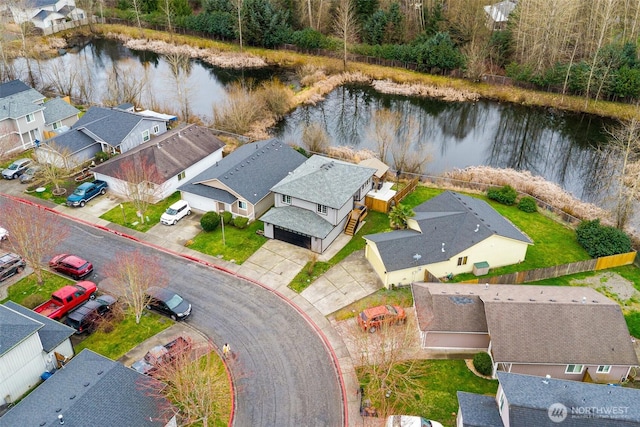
561, 147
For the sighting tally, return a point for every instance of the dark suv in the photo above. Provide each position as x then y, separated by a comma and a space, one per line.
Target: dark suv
168, 302
11, 264
87, 317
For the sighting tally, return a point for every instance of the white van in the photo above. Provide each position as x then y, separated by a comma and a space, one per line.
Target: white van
176, 212
410, 421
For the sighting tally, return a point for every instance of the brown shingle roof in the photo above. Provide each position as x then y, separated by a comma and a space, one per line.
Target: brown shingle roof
171, 152
441, 307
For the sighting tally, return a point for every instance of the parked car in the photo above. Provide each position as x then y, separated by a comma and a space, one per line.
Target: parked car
16, 169
176, 212
4, 234
11, 264
372, 318
161, 355
410, 421
88, 315
71, 265
66, 299
29, 174
86, 192
168, 302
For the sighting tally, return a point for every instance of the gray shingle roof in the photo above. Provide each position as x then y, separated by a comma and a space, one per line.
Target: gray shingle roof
530, 397
445, 308
479, 410
324, 181
20, 104
12, 87
250, 171
74, 140
171, 152
109, 124
14, 327
58, 109
448, 218
300, 220
565, 331
91, 391
52, 334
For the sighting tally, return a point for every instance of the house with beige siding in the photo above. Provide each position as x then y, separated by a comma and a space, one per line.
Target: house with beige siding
314, 201
448, 235
241, 182
567, 332
30, 344
525, 400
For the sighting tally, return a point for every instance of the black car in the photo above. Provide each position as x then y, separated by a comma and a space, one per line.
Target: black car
87, 317
11, 264
168, 302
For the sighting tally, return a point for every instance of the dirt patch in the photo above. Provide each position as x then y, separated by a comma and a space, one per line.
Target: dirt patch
614, 286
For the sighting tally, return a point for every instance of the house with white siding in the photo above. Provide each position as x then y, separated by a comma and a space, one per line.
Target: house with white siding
30, 344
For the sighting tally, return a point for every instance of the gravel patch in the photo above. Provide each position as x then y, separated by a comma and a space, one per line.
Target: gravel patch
614, 285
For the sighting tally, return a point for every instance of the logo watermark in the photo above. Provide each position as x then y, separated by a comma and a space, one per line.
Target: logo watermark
558, 412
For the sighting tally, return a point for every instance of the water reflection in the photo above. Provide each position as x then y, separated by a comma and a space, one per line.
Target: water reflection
560, 147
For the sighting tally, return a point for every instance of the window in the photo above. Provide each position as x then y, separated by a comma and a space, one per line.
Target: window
462, 260
242, 205
145, 136
156, 129
56, 125
286, 199
604, 369
573, 369
322, 209
30, 117
182, 175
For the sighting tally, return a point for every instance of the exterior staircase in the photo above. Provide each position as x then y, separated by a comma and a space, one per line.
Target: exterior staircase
356, 215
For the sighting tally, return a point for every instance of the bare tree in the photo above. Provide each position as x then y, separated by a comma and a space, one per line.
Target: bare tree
346, 26
8, 141
132, 274
388, 364
125, 84
407, 156
196, 380
166, 6
624, 143
240, 110
34, 232
56, 162
62, 77
237, 4
385, 127
140, 182
315, 138
180, 69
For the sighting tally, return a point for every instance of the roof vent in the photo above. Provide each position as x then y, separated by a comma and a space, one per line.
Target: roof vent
43, 423
595, 301
552, 300
546, 379
532, 299
100, 372
72, 397
58, 409
61, 419
86, 384
584, 300
496, 299
574, 300
509, 299
477, 228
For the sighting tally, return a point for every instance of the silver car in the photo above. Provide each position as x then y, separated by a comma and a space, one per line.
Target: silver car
29, 174
16, 169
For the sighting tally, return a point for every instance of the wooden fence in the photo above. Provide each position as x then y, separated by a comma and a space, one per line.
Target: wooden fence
558, 270
384, 206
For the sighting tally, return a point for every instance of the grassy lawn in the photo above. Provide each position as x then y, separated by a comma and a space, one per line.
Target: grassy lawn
22, 289
69, 185
125, 335
238, 244
129, 218
375, 222
436, 396
399, 296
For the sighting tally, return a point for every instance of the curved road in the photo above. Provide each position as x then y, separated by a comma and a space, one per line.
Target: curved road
283, 373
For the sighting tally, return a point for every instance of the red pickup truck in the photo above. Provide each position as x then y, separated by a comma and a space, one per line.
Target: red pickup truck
66, 299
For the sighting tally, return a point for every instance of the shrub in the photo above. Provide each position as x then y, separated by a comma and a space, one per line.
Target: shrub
602, 240
528, 204
310, 39
33, 301
240, 222
210, 221
505, 195
227, 217
483, 364
276, 97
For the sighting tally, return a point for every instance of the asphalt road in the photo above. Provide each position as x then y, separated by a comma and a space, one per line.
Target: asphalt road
283, 373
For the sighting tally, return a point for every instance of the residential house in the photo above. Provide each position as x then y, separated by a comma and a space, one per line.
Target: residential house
447, 236
567, 332
381, 170
164, 163
241, 182
525, 400
498, 14
25, 117
108, 130
30, 344
312, 203
93, 390
46, 13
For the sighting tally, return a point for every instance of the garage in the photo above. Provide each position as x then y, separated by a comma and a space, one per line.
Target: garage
297, 239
